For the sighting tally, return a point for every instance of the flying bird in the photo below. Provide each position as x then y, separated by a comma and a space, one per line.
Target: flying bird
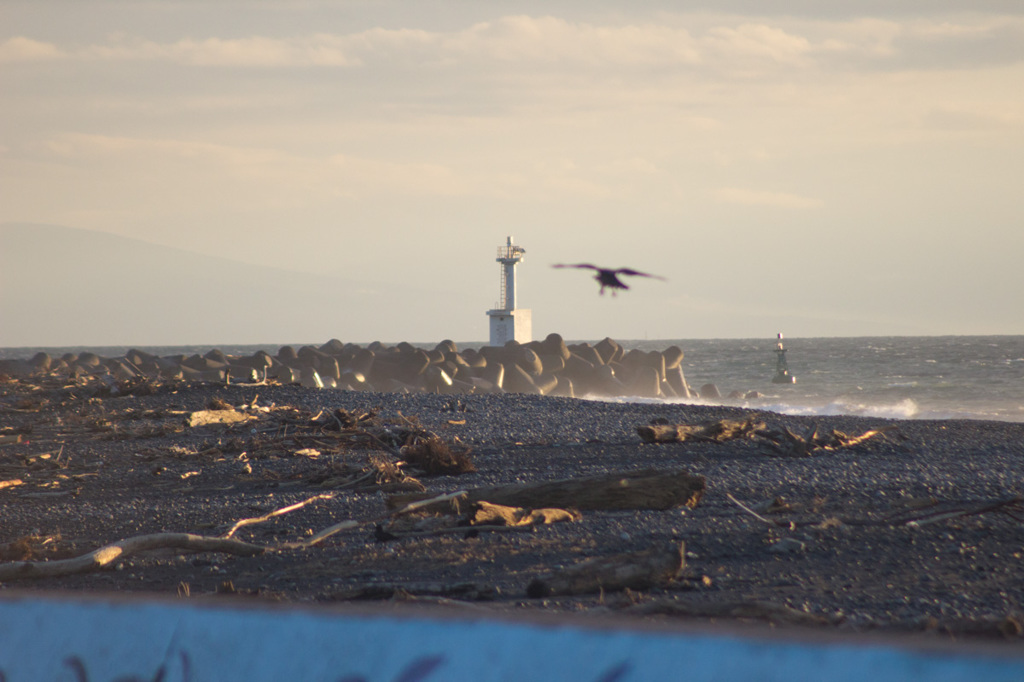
607, 277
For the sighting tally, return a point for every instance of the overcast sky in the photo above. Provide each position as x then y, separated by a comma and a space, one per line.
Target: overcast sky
825, 169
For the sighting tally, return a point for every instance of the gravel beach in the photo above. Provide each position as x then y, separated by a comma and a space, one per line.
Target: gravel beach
916, 529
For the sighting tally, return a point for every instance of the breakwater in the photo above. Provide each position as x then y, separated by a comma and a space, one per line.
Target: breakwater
548, 367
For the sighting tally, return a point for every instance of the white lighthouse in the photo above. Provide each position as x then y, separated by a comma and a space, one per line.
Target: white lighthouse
507, 322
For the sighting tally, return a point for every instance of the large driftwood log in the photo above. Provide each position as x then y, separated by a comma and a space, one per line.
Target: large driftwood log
714, 432
646, 489
636, 571
104, 556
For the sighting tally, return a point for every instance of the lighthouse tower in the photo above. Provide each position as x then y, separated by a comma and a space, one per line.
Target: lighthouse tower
507, 322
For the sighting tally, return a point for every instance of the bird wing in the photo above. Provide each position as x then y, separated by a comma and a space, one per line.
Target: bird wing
576, 265
630, 271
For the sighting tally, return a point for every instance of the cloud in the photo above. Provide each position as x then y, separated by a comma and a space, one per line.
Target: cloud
736, 195
553, 40
256, 51
758, 41
951, 119
512, 39
272, 171
962, 45
716, 45
21, 49
968, 42
77, 145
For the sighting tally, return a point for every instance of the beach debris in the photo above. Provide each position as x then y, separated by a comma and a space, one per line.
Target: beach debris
218, 416
379, 473
713, 431
915, 513
787, 546
241, 523
489, 514
26, 547
434, 457
744, 610
462, 517
645, 489
412, 445
945, 511
786, 443
781, 441
770, 522
634, 571
1009, 625
457, 594
609, 277
114, 552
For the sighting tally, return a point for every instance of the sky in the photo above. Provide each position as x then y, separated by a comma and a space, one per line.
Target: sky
818, 168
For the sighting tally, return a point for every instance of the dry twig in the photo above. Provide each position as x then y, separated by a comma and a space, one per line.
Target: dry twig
757, 516
277, 512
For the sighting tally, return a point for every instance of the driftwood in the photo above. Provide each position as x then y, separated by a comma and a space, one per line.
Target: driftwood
645, 489
636, 571
944, 512
415, 592
434, 457
185, 542
386, 535
770, 522
105, 556
500, 515
277, 512
759, 610
781, 442
933, 512
350, 524
475, 518
219, 416
381, 474
790, 444
714, 432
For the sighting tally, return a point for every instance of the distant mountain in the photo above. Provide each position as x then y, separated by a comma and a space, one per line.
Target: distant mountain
61, 286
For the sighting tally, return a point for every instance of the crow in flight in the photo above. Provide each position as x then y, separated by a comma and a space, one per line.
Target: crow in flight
607, 277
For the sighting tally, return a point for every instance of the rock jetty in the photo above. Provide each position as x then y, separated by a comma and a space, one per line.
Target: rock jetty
548, 367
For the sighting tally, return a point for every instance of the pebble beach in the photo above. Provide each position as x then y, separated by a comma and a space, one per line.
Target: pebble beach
918, 529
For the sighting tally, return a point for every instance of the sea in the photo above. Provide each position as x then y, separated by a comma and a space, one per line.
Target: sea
898, 377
